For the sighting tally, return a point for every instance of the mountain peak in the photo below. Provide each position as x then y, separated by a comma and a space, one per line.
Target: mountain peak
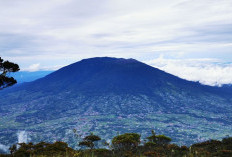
105, 60
109, 59
103, 74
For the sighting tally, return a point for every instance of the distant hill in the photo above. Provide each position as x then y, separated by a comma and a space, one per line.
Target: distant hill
108, 96
27, 76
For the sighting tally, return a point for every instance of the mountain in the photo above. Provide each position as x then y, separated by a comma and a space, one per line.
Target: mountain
108, 96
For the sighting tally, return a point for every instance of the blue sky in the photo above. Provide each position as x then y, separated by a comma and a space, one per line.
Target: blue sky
189, 38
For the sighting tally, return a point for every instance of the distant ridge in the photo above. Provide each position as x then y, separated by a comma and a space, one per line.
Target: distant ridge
28, 76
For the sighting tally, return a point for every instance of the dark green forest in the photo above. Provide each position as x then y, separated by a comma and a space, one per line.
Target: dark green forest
124, 145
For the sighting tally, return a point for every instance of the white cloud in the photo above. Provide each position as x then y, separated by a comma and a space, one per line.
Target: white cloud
77, 27
23, 137
4, 147
39, 67
34, 67
206, 71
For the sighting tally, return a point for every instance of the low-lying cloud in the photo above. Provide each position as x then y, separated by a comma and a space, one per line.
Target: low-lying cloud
23, 137
206, 71
4, 148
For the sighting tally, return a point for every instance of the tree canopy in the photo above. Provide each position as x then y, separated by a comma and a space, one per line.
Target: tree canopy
7, 67
159, 139
126, 141
89, 140
125, 145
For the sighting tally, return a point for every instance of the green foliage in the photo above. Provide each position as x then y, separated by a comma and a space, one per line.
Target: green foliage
150, 154
125, 145
5, 68
150, 145
88, 141
92, 138
224, 153
213, 147
42, 149
13, 149
227, 140
102, 152
127, 141
162, 139
152, 138
159, 139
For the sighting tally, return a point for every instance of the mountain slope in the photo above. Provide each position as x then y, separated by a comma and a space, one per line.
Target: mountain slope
107, 95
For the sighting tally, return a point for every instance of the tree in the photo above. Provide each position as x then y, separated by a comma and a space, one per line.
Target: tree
13, 149
163, 140
159, 139
150, 145
152, 138
7, 67
227, 140
88, 141
126, 141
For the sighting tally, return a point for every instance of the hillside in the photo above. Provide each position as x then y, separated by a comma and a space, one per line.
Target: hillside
111, 95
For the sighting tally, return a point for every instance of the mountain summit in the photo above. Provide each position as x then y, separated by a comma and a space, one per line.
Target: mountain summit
104, 74
109, 95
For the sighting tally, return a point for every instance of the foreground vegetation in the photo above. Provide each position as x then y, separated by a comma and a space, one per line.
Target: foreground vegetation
7, 67
125, 145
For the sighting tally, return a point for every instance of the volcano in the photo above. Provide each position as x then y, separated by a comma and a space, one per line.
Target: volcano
108, 96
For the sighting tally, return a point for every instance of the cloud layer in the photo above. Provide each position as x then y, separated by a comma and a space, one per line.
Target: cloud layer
206, 71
